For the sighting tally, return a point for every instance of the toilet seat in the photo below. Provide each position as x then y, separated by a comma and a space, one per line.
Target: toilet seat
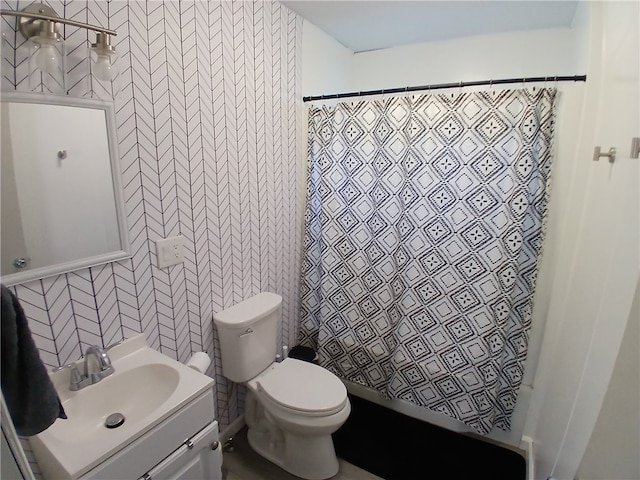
303, 388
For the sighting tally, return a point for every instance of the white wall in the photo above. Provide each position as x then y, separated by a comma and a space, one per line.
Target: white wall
326, 64
596, 270
511, 55
329, 67
612, 452
508, 55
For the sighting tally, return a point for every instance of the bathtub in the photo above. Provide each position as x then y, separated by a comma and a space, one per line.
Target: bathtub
513, 438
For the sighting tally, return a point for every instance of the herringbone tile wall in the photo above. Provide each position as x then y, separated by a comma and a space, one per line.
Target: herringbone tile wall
209, 135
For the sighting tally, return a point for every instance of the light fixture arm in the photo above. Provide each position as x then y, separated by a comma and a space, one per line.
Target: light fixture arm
41, 24
30, 18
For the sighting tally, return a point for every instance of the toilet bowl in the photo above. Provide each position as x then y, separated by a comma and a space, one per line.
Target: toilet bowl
292, 406
306, 404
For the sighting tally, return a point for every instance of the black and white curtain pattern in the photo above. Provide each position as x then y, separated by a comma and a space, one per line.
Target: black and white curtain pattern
423, 230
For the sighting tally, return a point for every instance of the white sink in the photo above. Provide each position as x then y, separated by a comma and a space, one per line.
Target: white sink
126, 393
146, 387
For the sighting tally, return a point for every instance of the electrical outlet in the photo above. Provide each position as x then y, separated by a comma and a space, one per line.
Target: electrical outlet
169, 251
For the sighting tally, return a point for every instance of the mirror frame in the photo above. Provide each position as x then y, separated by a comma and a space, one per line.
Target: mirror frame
116, 180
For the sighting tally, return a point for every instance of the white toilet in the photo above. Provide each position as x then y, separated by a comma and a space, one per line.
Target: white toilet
292, 407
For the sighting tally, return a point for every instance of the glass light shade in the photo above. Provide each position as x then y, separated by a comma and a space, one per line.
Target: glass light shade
46, 65
103, 69
47, 57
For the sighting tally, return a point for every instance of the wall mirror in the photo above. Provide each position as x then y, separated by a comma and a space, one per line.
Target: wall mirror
62, 205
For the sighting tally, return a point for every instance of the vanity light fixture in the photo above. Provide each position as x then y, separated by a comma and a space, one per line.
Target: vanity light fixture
47, 57
103, 67
40, 24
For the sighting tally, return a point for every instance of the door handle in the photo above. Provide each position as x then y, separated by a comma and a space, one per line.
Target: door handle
597, 153
635, 147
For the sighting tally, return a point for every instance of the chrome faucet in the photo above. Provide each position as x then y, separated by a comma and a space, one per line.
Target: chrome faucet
96, 366
101, 366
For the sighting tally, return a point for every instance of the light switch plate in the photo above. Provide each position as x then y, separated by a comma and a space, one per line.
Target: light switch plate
169, 251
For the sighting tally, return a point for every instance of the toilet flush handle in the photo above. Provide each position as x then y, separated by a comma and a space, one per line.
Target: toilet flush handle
248, 331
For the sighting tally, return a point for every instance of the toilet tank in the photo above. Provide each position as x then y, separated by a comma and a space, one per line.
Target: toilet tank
248, 333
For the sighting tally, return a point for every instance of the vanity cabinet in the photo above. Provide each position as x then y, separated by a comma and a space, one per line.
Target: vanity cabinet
199, 458
185, 446
169, 428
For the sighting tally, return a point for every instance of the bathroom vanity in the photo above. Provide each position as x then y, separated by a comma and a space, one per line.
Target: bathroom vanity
163, 452
169, 429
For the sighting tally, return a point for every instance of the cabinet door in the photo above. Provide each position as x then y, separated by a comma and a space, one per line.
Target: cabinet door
203, 461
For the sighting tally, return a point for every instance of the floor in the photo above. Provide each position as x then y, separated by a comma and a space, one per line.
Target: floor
242, 463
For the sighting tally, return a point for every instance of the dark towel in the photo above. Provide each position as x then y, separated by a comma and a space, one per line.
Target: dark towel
31, 398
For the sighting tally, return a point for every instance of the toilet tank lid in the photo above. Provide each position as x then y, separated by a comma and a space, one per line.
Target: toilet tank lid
248, 311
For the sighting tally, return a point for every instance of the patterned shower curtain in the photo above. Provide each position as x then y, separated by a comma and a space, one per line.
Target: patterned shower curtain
423, 229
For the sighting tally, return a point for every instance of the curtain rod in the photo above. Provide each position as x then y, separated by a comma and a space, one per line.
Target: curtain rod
439, 86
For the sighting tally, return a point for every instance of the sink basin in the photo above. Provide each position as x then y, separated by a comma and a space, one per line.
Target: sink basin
128, 393
146, 387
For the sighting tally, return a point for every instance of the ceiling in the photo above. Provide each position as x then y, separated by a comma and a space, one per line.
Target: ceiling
372, 25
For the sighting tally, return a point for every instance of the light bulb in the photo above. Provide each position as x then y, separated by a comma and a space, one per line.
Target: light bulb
47, 58
102, 69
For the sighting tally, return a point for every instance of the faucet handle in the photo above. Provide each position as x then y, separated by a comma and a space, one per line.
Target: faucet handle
62, 367
115, 344
75, 377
